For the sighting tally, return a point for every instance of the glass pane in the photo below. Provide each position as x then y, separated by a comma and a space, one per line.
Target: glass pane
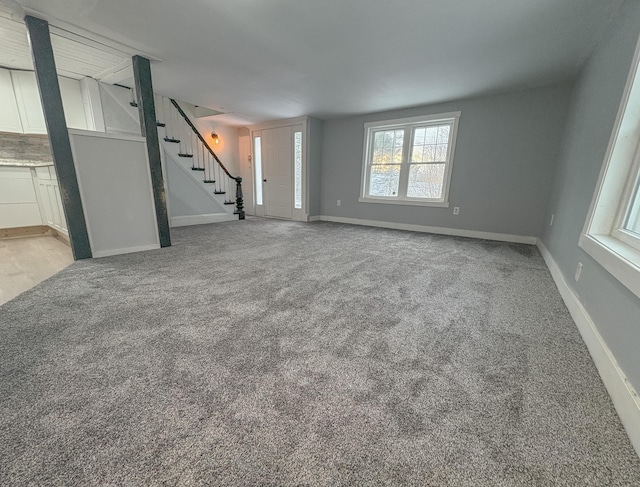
443, 134
257, 155
297, 160
633, 220
387, 146
384, 180
426, 181
430, 144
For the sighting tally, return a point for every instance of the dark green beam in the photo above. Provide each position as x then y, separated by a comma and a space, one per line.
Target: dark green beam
45, 67
147, 112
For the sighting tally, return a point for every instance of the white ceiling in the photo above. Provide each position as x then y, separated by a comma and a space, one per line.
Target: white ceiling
269, 59
76, 56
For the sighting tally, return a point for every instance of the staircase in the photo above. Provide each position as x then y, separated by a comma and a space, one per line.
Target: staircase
181, 139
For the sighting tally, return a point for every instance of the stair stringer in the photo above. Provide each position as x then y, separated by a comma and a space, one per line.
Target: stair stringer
198, 176
120, 116
189, 202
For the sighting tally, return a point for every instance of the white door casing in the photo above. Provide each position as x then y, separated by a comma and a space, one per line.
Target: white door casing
277, 164
275, 142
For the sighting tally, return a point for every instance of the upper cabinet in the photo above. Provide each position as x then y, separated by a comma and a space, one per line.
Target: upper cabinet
9, 116
28, 99
20, 90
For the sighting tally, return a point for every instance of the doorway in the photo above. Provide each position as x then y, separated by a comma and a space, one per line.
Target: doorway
279, 167
277, 164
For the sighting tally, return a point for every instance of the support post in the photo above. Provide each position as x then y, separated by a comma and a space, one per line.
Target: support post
239, 199
49, 88
149, 129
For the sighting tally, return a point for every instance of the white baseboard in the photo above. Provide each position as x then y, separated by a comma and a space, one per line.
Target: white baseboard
315, 218
457, 232
128, 250
183, 221
624, 397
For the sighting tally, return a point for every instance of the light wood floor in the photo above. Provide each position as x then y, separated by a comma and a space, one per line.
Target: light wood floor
25, 262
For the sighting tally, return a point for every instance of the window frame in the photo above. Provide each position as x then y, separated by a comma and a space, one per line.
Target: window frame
604, 237
409, 125
628, 199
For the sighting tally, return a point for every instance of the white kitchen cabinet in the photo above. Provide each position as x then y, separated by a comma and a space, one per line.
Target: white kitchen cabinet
18, 201
27, 98
49, 199
9, 115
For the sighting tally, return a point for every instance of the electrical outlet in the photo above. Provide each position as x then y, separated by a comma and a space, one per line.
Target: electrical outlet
338, 203
456, 210
578, 271
552, 217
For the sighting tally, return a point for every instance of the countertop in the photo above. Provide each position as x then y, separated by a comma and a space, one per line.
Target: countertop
24, 163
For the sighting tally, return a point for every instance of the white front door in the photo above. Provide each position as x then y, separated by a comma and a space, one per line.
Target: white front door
277, 163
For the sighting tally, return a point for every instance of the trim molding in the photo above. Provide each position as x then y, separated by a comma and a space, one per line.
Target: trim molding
183, 221
456, 232
624, 397
405, 202
31, 231
284, 122
129, 250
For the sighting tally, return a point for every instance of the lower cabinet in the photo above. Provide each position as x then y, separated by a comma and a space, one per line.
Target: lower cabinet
19, 201
49, 199
30, 196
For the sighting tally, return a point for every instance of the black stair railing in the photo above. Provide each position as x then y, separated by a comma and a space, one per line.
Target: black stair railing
239, 202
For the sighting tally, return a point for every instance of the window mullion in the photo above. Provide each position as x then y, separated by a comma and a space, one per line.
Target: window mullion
367, 181
404, 168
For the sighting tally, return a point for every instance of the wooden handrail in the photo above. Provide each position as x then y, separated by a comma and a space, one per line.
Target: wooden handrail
239, 197
195, 131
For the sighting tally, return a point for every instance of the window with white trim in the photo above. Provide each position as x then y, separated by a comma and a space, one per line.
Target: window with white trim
611, 233
628, 227
408, 161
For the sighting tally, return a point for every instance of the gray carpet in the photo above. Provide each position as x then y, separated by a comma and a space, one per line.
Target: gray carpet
279, 353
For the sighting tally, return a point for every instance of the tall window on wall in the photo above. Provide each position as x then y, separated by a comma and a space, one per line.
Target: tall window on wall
297, 169
611, 233
409, 161
257, 155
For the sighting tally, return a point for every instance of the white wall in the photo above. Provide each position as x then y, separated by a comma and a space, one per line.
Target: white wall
228, 149
115, 187
118, 115
188, 202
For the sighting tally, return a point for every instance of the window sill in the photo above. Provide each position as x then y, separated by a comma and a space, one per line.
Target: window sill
406, 202
619, 259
